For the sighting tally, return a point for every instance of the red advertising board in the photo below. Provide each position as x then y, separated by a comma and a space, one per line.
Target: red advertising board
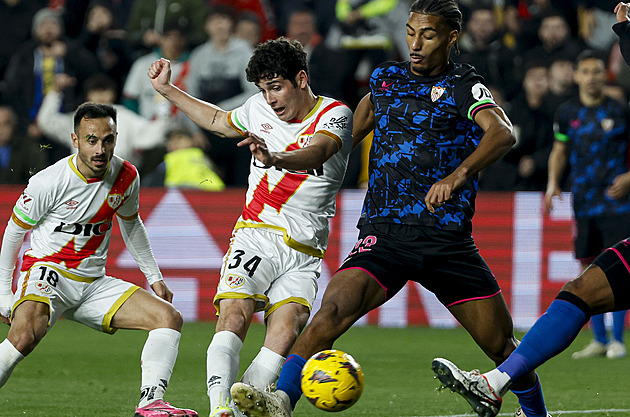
529, 253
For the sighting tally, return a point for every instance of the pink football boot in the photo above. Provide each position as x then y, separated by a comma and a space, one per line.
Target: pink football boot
161, 408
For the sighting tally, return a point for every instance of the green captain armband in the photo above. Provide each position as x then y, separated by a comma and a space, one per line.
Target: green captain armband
561, 137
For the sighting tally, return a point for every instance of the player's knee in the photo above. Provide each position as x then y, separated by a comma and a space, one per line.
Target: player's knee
169, 317
498, 349
25, 339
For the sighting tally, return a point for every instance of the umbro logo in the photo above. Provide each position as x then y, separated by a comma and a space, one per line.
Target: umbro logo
71, 204
266, 127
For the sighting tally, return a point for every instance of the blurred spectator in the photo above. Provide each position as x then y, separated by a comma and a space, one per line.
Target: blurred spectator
15, 20
184, 166
135, 133
261, 8
325, 77
481, 46
366, 31
561, 85
555, 38
33, 67
74, 13
148, 18
595, 22
19, 156
248, 28
138, 93
105, 40
217, 67
525, 166
217, 75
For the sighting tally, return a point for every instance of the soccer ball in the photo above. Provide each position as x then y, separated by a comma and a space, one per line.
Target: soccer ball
332, 380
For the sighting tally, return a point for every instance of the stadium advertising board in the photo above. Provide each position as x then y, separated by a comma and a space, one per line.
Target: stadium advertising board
529, 252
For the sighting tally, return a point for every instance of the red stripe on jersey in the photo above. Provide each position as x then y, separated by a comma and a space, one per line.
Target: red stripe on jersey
101, 222
310, 130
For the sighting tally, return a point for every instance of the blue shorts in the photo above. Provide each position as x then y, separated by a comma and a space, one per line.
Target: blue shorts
444, 262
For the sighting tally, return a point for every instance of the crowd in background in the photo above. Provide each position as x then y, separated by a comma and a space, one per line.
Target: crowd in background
56, 54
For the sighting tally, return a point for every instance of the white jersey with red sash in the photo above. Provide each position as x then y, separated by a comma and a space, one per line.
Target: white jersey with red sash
71, 217
296, 204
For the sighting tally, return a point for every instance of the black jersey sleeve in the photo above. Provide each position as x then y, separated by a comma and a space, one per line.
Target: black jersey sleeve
561, 124
471, 94
622, 29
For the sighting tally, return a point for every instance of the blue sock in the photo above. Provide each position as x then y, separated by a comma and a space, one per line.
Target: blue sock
532, 401
599, 328
290, 380
551, 334
619, 321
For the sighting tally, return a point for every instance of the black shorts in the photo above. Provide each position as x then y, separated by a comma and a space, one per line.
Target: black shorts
594, 234
444, 262
615, 262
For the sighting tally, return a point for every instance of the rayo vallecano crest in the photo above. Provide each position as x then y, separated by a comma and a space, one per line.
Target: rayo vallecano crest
114, 200
436, 92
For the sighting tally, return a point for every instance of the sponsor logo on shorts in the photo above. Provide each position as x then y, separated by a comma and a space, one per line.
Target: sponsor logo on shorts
234, 281
43, 287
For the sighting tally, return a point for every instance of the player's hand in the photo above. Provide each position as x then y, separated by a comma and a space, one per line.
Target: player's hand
161, 290
6, 300
622, 10
160, 74
258, 148
619, 187
549, 195
442, 191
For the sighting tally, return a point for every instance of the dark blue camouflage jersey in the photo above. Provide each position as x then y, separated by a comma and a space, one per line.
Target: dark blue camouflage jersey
424, 130
597, 138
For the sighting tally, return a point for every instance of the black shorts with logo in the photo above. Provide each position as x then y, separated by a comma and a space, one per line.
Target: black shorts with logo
445, 262
615, 262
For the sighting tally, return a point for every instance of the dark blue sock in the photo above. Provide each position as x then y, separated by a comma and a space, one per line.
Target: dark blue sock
290, 380
619, 321
552, 333
532, 401
599, 328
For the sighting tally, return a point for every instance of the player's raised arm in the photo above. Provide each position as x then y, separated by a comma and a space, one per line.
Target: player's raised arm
206, 115
363, 120
497, 140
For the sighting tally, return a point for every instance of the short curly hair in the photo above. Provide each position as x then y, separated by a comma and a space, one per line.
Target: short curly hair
277, 58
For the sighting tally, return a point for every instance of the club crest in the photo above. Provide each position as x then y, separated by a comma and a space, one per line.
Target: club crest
436, 92
114, 200
607, 124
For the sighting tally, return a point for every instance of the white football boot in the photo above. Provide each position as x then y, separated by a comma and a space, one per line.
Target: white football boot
591, 350
254, 402
520, 413
470, 385
615, 350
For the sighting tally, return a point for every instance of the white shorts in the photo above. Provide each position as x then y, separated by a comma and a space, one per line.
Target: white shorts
90, 301
259, 265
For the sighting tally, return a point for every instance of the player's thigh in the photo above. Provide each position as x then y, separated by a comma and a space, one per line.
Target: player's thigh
29, 324
146, 311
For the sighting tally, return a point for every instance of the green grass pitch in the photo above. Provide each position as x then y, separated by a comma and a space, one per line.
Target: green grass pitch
79, 372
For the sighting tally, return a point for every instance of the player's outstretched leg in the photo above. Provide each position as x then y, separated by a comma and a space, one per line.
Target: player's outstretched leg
161, 408
255, 402
470, 385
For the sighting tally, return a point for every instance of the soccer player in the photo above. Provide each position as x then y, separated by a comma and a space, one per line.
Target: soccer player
592, 134
69, 208
300, 144
436, 126
603, 287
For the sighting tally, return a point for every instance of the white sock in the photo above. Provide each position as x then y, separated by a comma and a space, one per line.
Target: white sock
264, 369
499, 381
158, 359
9, 358
222, 366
